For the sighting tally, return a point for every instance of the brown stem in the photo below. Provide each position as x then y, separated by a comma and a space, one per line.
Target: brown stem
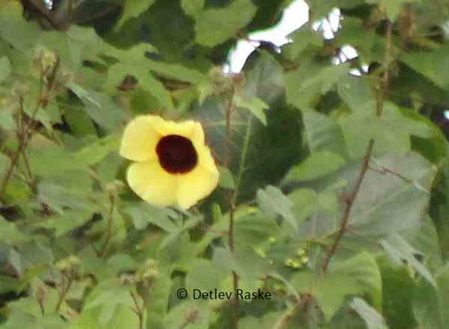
365, 165
38, 7
108, 237
231, 197
64, 291
228, 117
349, 203
386, 74
286, 318
138, 309
24, 128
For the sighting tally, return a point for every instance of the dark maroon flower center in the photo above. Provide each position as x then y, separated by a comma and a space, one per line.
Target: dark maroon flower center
177, 155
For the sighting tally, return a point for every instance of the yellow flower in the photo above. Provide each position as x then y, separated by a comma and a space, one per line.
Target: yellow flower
172, 164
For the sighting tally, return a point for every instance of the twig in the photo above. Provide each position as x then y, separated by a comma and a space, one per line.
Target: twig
349, 203
386, 75
286, 318
366, 160
139, 310
45, 13
24, 129
231, 201
64, 291
108, 237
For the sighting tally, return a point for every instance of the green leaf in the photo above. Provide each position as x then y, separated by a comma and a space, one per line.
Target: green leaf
109, 306
178, 72
302, 39
132, 9
399, 250
205, 275
255, 105
431, 304
158, 305
260, 155
9, 233
356, 276
97, 151
391, 131
73, 189
5, 68
15, 30
61, 161
372, 318
308, 82
215, 26
193, 7
226, 178
392, 8
100, 107
356, 92
143, 214
398, 287
66, 222
392, 198
324, 134
427, 308
317, 165
387, 203
273, 202
432, 65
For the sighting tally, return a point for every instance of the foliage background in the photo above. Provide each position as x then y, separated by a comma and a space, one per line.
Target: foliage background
333, 191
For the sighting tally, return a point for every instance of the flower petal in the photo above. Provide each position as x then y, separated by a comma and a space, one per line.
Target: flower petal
196, 185
141, 137
152, 183
189, 129
205, 158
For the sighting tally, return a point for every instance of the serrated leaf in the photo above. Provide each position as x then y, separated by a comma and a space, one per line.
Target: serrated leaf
308, 82
357, 275
260, 155
273, 202
61, 161
97, 151
324, 134
388, 204
303, 38
255, 105
317, 165
133, 8
391, 131
214, 26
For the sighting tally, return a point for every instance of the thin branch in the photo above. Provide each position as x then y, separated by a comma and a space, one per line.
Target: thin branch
285, 319
24, 128
64, 291
231, 202
39, 7
139, 310
386, 75
349, 203
243, 158
108, 237
366, 159
228, 116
